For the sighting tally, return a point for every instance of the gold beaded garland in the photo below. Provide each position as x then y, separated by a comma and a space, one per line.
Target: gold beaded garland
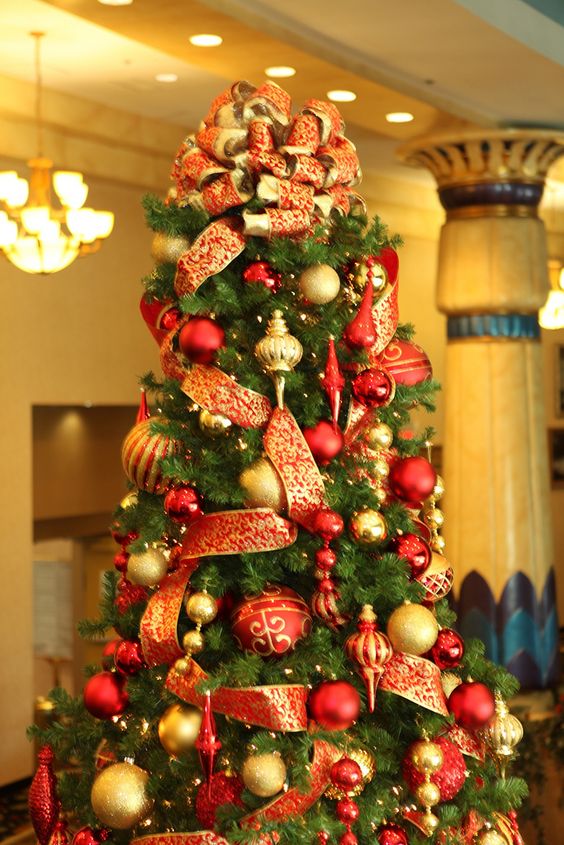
178, 728
428, 794
434, 518
201, 607
264, 774
429, 822
426, 756
119, 796
193, 642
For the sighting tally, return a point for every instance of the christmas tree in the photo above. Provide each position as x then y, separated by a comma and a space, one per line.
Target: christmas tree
287, 669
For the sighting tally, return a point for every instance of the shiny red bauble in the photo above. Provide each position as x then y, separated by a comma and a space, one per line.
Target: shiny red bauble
108, 652
347, 811
90, 836
348, 838
129, 594
448, 650
415, 550
262, 272
327, 524
325, 441
182, 504
121, 538
412, 479
391, 834
334, 705
373, 388
105, 695
120, 561
472, 705
346, 774
222, 789
451, 776
272, 623
406, 362
200, 338
128, 657
325, 558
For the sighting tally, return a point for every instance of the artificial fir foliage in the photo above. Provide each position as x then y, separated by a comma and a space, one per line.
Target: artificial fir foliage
310, 573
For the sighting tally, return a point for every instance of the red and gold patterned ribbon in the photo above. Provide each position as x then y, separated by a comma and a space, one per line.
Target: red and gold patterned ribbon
467, 742
277, 708
210, 253
158, 629
196, 837
237, 532
415, 679
215, 391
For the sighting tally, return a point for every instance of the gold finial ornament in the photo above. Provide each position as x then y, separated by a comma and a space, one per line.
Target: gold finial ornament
503, 734
278, 352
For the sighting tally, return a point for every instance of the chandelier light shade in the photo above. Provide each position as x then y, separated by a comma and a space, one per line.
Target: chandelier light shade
35, 235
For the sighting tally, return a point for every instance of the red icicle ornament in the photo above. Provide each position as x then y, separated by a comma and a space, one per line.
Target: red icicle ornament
208, 743
361, 331
333, 382
370, 649
60, 834
143, 413
42, 800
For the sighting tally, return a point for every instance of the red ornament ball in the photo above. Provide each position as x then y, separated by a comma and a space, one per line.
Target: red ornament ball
412, 479
451, 776
222, 789
392, 834
90, 836
108, 654
182, 504
346, 774
472, 705
121, 538
128, 595
128, 657
448, 650
327, 524
120, 561
272, 623
373, 388
262, 272
406, 362
415, 550
348, 838
325, 559
335, 705
105, 695
324, 441
200, 338
347, 811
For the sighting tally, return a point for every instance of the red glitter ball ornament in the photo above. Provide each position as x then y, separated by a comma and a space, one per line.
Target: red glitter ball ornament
373, 388
128, 657
335, 705
392, 834
105, 695
121, 538
325, 558
327, 524
90, 836
182, 504
472, 705
272, 623
262, 272
451, 776
412, 479
222, 789
108, 654
325, 441
200, 338
128, 595
348, 838
415, 550
346, 774
406, 362
448, 650
347, 811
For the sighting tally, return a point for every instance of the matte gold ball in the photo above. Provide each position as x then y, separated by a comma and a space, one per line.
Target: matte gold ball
428, 794
439, 488
201, 607
147, 568
426, 756
434, 518
193, 642
119, 796
319, 284
264, 774
168, 248
412, 629
179, 727
429, 822
491, 837
214, 425
379, 436
263, 486
368, 527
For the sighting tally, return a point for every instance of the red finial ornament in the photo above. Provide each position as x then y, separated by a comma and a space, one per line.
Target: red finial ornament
42, 800
361, 331
208, 743
333, 382
143, 413
60, 834
370, 649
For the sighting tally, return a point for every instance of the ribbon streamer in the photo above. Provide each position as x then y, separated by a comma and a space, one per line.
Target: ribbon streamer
467, 743
215, 391
237, 532
196, 837
415, 679
210, 253
158, 629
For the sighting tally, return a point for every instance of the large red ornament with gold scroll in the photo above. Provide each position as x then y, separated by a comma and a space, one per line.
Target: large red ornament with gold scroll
406, 362
272, 623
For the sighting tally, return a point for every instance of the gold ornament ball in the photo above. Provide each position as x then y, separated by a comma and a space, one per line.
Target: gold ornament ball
193, 642
375, 272
426, 756
412, 629
380, 494
429, 822
264, 774
168, 248
379, 436
179, 727
368, 527
263, 486
439, 488
434, 518
319, 284
119, 796
381, 468
201, 608
147, 568
214, 425
491, 837
428, 794
183, 666
438, 544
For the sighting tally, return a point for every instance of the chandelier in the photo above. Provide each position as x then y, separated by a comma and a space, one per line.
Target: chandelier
551, 315
35, 235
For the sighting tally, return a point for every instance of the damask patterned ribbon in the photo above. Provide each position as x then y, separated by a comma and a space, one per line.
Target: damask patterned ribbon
196, 837
215, 391
415, 679
158, 629
237, 532
467, 742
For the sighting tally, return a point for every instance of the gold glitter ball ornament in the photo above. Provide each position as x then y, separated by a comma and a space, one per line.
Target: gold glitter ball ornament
183, 666
412, 629
439, 488
119, 796
368, 527
147, 568
263, 486
379, 436
434, 518
426, 756
264, 774
214, 425
491, 837
319, 284
193, 642
201, 607
167, 249
428, 794
429, 823
179, 727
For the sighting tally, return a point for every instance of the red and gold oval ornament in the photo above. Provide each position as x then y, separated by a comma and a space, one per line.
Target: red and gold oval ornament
272, 623
142, 454
406, 362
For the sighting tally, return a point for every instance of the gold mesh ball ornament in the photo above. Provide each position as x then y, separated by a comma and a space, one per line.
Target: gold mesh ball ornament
264, 774
147, 568
179, 727
119, 798
278, 352
167, 249
214, 425
263, 486
412, 629
319, 284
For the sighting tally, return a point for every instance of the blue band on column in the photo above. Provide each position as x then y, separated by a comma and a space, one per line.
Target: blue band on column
510, 326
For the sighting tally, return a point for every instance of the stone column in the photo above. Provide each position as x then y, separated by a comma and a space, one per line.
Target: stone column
492, 279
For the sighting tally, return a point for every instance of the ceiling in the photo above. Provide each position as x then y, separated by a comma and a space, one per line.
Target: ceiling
450, 62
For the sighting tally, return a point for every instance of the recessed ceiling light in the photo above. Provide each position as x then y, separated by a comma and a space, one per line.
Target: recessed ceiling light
166, 77
280, 71
399, 117
206, 39
341, 96
115, 2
